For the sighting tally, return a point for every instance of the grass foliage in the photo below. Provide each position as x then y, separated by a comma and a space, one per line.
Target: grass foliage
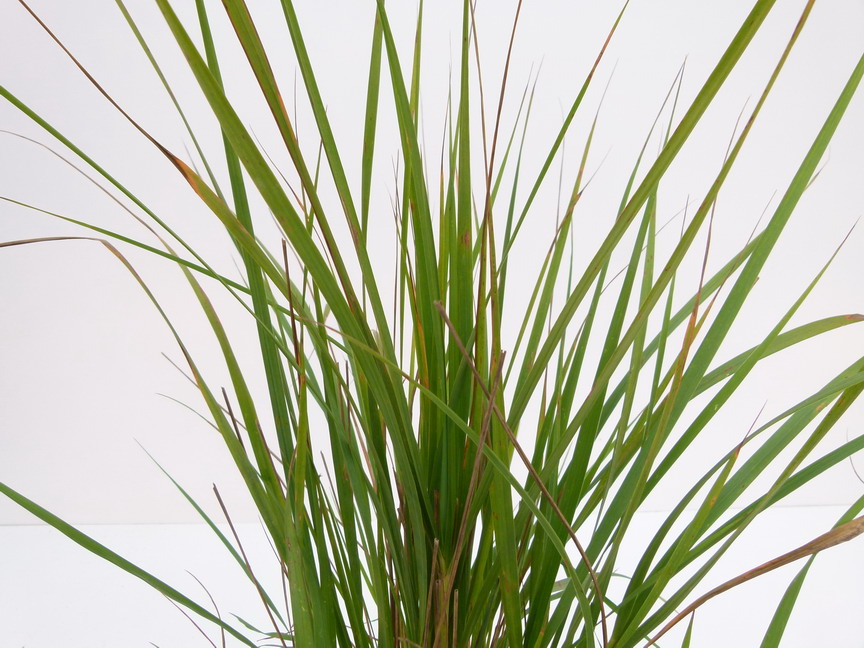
428, 479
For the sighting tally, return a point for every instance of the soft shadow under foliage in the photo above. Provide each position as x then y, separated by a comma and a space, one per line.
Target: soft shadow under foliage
405, 534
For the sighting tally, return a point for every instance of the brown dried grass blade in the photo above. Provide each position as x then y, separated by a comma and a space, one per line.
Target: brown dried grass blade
841, 534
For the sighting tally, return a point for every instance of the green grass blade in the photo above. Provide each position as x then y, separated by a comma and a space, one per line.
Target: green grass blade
103, 552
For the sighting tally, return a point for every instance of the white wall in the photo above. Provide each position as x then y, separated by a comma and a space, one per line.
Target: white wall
80, 345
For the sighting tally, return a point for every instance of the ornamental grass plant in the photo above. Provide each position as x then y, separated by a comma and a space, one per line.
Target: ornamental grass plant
440, 458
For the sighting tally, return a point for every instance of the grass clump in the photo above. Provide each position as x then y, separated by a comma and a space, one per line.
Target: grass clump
439, 460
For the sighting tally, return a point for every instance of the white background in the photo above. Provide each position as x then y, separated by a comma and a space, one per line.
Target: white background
80, 345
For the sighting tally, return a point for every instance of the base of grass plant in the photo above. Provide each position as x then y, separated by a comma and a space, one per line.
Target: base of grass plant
413, 529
